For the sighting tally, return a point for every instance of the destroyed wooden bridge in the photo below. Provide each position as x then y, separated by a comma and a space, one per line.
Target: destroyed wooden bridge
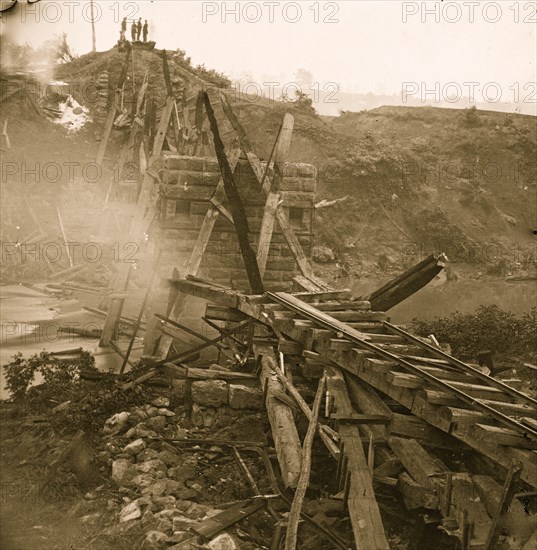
368, 363
391, 398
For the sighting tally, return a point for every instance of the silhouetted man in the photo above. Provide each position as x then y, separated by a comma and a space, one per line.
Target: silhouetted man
139, 29
145, 30
133, 31
123, 29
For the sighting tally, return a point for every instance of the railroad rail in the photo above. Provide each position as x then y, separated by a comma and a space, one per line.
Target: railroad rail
491, 416
417, 396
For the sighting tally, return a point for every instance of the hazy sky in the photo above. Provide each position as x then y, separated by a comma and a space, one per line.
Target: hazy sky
363, 45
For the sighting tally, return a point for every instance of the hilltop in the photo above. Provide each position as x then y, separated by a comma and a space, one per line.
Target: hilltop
417, 179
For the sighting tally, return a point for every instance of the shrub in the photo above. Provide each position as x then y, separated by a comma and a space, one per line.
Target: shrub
489, 328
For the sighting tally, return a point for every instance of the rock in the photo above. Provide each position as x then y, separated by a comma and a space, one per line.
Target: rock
157, 489
122, 471
187, 470
223, 542
147, 454
138, 415
130, 512
164, 502
156, 423
155, 540
151, 411
166, 412
209, 417
212, 393
141, 431
143, 480
169, 458
243, 397
135, 447
77, 111
197, 415
116, 423
151, 466
197, 511
160, 402
323, 254
172, 486
91, 518
181, 433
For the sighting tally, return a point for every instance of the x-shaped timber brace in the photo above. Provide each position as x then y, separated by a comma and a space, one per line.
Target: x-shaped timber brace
255, 262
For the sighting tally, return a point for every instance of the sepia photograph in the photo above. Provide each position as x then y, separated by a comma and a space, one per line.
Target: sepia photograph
268, 275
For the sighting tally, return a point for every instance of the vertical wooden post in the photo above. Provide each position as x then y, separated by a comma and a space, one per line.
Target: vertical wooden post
513, 476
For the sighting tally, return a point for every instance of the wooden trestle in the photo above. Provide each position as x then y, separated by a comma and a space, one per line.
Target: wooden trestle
446, 397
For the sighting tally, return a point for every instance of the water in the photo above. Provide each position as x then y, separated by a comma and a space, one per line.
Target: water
29, 323
441, 297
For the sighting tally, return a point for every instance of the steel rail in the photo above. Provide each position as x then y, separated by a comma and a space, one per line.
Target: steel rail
290, 302
462, 365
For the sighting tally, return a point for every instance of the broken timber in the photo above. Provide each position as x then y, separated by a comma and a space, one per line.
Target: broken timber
374, 364
284, 432
412, 280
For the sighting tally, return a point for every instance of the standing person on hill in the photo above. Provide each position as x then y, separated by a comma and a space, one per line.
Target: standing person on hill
123, 29
139, 29
145, 30
133, 31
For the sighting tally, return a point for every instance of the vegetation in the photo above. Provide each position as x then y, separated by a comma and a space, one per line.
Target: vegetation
489, 328
43, 381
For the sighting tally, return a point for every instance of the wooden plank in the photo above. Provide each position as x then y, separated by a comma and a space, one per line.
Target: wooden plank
138, 225
291, 536
113, 110
406, 284
320, 317
363, 508
518, 524
508, 491
283, 143
210, 527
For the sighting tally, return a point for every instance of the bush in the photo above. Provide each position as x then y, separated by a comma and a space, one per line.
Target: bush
489, 328
91, 402
56, 372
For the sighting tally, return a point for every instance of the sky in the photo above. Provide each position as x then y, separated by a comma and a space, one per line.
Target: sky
431, 50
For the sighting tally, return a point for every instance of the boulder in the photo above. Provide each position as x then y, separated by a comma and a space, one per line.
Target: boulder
135, 447
123, 471
130, 512
155, 540
223, 542
160, 402
140, 431
152, 466
157, 423
116, 423
243, 397
211, 393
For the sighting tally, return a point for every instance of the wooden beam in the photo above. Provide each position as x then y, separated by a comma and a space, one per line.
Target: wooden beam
281, 216
291, 537
508, 491
113, 110
282, 145
138, 226
409, 282
235, 204
284, 432
363, 508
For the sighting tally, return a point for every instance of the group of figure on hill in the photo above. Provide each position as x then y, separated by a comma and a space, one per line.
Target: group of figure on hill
137, 30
